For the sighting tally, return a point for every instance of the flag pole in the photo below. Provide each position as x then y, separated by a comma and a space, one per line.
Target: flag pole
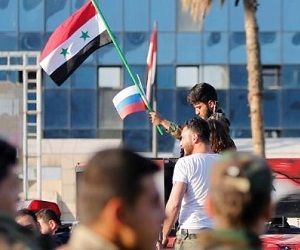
154, 103
124, 60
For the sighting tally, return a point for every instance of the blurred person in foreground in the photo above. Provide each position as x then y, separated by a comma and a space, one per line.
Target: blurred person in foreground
190, 186
27, 218
12, 235
50, 224
240, 202
119, 204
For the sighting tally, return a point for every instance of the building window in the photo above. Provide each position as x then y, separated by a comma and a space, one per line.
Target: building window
271, 76
187, 76
216, 75
110, 77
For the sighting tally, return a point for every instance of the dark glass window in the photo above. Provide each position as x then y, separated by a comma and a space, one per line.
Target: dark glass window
165, 76
137, 140
85, 77
217, 18
239, 110
215, 47
139, 120
291, 48
57, 111
113, 13
290, 76
50, 84
291, 18
184, 110
31, 41
136, 47
165, 143
189, 48
83, 133
84, 109
237, 49
166, 48
166, 103
271, 101
291, 133
57, 133
9, 15
269, 15
136, 13
57, 11
271, 76
31, 17
108, 54
238, 76
140, 70
222, 101
158, 13
9, 41
236, 17
290, 109
270, 47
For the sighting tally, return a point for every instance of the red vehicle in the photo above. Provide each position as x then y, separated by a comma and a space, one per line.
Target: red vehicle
280, 234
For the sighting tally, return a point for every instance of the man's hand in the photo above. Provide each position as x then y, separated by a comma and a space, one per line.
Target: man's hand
155, 118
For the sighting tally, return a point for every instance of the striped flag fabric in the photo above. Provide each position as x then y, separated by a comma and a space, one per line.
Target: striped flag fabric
72, 42
129, 101
151, 62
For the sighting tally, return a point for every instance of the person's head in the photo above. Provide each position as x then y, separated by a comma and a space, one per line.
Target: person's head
240, 192
195, 134
220, 139
27, 218
48, 220
203, 97
118, 199
8, 178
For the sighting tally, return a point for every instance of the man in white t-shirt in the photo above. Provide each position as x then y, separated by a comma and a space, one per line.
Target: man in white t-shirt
190, 186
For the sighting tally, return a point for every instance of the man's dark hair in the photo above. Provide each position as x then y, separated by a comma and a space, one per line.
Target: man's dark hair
24, 212
202, 92
47, 215
199, 126
112, 173
8, 158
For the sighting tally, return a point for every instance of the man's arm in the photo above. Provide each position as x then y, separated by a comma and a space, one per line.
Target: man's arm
172, 128
173, 208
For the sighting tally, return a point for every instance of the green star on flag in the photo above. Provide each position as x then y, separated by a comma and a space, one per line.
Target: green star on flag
84, 35
64, 52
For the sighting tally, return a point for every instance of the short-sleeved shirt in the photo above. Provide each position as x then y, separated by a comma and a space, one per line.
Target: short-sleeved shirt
194, 170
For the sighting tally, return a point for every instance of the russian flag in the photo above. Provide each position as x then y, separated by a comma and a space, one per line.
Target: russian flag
72, 42
129, 101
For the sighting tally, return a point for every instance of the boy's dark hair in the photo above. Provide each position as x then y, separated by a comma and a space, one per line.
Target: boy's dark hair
23, 212
202, 92
112, 173
8, 158
47, 215
199, 126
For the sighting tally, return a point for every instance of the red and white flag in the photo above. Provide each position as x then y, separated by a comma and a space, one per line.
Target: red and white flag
151, 62
72, 42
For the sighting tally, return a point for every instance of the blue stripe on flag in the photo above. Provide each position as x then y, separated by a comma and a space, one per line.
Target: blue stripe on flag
128, 101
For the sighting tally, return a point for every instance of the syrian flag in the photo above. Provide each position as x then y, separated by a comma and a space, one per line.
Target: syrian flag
129, 101
151, 62
72, 42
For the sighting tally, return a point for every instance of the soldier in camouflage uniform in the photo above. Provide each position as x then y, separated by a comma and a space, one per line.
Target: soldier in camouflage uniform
240, 201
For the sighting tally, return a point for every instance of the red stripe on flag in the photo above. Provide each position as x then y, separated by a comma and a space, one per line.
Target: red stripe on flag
69, 27
139, 106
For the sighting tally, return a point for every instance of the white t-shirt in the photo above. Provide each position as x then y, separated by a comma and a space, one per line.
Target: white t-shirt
194, 170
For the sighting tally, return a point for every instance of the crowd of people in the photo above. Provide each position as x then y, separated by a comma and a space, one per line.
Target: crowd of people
220, 198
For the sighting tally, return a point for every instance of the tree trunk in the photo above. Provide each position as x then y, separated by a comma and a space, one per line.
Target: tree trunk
254, 77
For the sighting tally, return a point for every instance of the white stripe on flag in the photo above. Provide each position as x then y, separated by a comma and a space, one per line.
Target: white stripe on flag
132, 90
74, 44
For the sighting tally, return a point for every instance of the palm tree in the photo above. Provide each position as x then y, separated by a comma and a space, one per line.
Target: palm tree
198, 10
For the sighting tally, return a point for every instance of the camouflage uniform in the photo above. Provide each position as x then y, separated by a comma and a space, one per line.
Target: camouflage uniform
228, 240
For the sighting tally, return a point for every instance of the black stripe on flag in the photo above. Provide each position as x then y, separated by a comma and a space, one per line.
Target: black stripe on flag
66, 69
